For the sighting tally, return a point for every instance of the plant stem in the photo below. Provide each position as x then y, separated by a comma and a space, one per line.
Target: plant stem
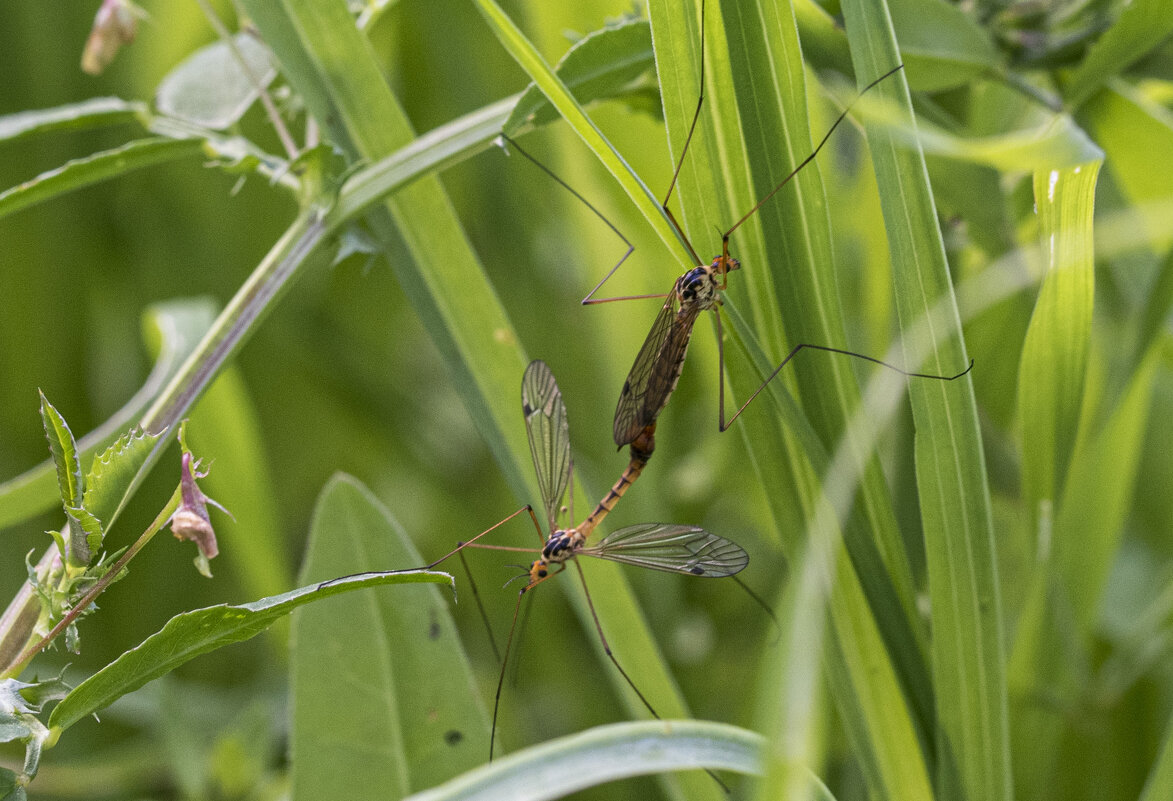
108, 578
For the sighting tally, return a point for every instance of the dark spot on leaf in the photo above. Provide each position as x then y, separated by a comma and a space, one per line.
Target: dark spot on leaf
453, 737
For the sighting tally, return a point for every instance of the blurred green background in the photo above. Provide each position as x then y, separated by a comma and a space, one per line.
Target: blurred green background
342, 377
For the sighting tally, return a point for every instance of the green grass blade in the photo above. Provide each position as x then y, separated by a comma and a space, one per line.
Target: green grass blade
556, 92
721, 179
967, 648
1054, 357
1060, 617
603, 754
97, 112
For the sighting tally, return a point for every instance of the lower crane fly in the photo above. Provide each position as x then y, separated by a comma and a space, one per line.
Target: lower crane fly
669, 547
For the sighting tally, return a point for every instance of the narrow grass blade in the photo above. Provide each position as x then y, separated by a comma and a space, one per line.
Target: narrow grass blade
1054, 357
552, 87
97, 112
98, 167
557, 768
968, 656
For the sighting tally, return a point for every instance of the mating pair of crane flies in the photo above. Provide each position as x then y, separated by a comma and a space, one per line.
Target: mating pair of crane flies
688, 550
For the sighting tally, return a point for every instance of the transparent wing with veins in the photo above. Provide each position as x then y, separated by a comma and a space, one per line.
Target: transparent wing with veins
655, 372
673, 549
549, 435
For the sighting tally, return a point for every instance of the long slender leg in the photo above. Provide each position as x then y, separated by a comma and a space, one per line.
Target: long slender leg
590, 298
607, 647
696, 115
725, 424
622, 672
505, 661
459, 547
466, 543
480, 606
501, 676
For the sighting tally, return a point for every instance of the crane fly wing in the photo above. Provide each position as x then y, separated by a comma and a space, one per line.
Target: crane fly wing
654, 374
668, 367
629, 414
549, 434
673, 549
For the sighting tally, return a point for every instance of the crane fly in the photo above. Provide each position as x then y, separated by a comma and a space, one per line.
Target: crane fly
672, 548
660, 361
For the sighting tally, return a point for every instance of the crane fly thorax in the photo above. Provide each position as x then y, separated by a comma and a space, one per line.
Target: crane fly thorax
700, 288
560, 547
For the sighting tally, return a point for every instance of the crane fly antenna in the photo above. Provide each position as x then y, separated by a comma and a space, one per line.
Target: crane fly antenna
809, 158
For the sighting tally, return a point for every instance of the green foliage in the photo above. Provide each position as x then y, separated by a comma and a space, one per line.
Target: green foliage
193, 633
399, 675
971, 589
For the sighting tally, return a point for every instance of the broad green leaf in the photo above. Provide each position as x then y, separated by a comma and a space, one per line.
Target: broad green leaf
968, 659
1140, 28
217, 84
171, 331
93, 113
1054, 356
191, 634
600, 66
940, 45
83, 172
113, 472
603, 754
64, 449
391, 665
